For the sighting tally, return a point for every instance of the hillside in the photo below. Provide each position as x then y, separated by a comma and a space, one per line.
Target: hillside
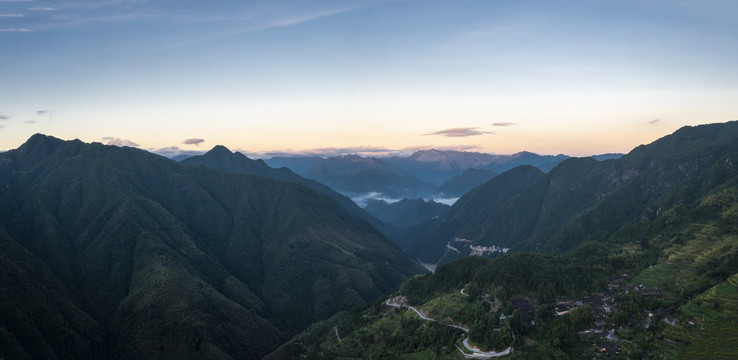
434, 241
465, 182
355, 175
222, 159
663, 287
429, 166
583, 199
406, 212
299, 164
118, 253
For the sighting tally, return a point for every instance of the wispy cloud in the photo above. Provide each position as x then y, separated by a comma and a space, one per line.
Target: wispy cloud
48, 113
460, 132
18, 30
12, 15
29, 122
264, 22
193, 141
654, 121
504, 124
230, 20
4, 117
118, 142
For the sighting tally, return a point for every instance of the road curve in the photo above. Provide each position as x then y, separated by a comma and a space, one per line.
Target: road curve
477, 354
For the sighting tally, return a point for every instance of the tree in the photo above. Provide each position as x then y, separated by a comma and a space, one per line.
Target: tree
582, 317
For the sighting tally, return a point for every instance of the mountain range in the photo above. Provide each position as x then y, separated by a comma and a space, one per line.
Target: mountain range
634, 257
222, 159
354, 175
582, 199
425, 174
406, 212
112, 252
464, 182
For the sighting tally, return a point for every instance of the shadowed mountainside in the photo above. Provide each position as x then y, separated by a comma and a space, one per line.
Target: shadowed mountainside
222, 159
583, 199
405, 212
114, 252
465, 182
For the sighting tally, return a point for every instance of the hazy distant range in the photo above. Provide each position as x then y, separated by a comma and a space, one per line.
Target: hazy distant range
432, 175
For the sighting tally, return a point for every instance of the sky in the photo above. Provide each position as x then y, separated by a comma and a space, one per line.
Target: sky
369, 77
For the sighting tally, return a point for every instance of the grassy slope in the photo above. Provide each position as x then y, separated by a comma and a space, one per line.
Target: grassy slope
718, 338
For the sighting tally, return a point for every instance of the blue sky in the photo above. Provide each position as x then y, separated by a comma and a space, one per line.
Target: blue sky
573, 77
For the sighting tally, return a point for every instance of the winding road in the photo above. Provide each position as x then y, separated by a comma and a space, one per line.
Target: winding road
477, 354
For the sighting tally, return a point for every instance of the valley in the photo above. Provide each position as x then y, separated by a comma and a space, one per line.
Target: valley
630, 257
657, 280
368, 179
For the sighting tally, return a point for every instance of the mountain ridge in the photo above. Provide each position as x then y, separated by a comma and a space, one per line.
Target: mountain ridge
222, 159
130, 254
570, 201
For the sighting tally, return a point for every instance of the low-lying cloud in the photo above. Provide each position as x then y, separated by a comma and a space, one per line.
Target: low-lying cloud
4, 117
193, 141
654, 121
503, 124
363, 200
118, 142
460, 132
173, 151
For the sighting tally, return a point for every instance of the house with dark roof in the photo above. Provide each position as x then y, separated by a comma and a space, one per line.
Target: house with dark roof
609, 349
671, 320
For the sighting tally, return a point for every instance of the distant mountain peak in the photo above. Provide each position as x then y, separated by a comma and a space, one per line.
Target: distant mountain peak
223, 159
220, 150
39, 146
350, 157
41, 140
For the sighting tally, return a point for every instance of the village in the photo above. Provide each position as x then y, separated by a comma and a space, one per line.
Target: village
603, 332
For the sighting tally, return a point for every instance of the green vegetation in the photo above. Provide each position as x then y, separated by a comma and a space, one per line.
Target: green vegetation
666, 212
110, 252
427, 241
638, 196
357, 175
222, 159
405, 212
465, 182
114, 252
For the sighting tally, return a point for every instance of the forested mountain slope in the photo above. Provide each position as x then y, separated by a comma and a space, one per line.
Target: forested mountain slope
406, 212
222, 159
114, 252
583, 199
